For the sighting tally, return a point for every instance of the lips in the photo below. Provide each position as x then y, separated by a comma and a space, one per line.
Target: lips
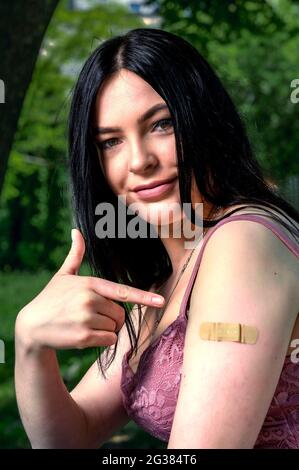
153, 184
157, 191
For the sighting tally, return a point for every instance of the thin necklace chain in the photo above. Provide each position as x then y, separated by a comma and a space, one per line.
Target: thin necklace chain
160, 313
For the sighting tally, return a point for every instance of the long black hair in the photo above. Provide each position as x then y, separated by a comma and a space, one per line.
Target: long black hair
211, 143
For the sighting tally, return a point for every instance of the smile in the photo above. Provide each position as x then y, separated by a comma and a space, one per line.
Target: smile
156, 192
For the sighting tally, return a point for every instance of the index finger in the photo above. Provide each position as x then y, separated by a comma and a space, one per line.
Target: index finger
123, 293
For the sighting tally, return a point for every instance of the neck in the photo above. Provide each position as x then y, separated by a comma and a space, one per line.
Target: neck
179, 248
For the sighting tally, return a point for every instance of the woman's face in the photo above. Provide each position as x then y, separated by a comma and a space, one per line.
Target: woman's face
142, 149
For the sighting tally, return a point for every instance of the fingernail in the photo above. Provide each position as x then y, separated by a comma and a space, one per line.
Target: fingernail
158, 300
72, 234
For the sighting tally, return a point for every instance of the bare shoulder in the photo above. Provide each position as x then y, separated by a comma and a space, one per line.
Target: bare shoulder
268, 239
251, 248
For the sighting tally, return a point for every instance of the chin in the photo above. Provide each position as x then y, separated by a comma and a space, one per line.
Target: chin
160, 213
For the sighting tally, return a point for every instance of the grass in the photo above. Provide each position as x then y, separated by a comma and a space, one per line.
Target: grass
16, 290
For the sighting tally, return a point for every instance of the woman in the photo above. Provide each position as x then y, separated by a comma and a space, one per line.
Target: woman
148, 110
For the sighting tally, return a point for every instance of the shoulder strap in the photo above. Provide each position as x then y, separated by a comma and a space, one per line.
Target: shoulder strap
294, 247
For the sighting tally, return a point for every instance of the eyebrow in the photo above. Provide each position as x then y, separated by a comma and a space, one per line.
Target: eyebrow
147, 115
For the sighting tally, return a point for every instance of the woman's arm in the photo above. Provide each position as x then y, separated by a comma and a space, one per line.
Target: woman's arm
50, 416
227, 386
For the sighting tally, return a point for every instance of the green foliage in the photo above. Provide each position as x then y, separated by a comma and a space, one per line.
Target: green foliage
224, 22
258, 72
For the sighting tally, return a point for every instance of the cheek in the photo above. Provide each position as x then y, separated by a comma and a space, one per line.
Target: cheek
115, 175
168, 149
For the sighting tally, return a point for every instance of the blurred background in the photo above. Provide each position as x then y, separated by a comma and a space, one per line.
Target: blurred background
252, 45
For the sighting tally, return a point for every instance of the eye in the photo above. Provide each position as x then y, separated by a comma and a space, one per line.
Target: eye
109, 143
162, 123
106, 144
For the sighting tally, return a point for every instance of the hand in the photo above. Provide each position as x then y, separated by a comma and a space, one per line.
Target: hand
75, 311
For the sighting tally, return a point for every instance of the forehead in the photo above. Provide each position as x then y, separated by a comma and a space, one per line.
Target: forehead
122, 90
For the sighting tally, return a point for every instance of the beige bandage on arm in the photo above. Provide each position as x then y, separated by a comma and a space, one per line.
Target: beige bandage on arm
218, 331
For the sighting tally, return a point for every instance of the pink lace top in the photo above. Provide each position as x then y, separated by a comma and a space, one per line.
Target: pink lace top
150, 395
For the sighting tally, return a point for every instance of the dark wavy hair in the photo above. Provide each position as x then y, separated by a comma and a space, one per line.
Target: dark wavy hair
211, 143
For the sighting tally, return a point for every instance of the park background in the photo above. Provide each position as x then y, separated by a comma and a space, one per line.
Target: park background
254, 48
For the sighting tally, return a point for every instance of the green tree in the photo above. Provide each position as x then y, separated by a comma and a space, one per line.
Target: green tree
22, 27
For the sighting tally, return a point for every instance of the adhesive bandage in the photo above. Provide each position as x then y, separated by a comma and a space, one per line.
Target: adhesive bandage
218, 331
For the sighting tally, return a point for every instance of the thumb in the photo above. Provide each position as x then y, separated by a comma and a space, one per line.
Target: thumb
74, 258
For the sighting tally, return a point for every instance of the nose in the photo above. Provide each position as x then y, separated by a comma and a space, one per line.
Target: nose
140, 157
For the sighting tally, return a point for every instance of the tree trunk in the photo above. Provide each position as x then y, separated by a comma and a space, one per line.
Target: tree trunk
22, 28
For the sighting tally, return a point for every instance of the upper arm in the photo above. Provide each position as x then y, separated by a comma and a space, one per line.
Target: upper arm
101, 400
229, 383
